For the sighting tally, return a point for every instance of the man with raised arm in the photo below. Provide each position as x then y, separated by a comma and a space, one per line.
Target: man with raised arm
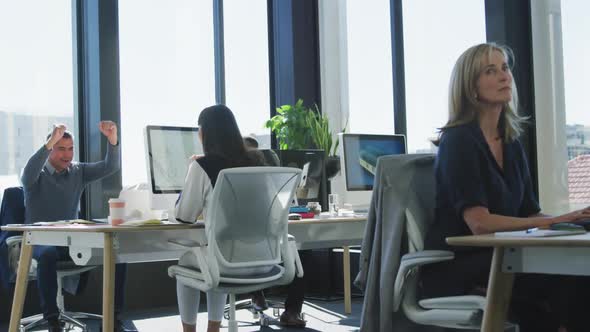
53, 184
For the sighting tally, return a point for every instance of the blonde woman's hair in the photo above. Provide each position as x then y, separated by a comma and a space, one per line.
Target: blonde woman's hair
463, 103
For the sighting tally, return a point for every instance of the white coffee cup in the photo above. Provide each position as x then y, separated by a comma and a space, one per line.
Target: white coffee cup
116, 211
333, 204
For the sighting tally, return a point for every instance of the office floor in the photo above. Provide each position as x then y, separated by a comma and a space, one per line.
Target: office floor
320, 316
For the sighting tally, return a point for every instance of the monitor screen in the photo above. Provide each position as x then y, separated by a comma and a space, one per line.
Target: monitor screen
168, 153
360, 156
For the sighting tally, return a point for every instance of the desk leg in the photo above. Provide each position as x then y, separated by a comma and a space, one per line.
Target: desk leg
346, 271
108, 284
22, 278
498, 295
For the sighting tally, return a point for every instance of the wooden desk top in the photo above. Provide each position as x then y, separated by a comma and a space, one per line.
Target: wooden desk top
489, 240
100, 228
105, 228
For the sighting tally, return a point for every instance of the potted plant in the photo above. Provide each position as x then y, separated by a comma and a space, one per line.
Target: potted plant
299, 127
319, 128
290, 127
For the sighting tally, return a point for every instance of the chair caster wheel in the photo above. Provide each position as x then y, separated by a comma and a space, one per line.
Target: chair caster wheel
264, 321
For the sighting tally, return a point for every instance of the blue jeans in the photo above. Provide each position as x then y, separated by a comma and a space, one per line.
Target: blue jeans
47, 258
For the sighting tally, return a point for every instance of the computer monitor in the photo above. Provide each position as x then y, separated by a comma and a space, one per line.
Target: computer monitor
168, 150
361, 152
352, 184
313, 186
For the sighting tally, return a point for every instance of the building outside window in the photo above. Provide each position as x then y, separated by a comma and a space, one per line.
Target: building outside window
431, 50
36, 84
370, 79
575, 27
167, 71
247, 91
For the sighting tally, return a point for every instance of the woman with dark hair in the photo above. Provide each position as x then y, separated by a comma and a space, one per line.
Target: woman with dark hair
223, 148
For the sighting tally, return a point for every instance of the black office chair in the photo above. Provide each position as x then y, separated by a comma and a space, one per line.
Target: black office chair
12, 211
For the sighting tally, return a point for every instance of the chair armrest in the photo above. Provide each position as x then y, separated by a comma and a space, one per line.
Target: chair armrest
208, 267
409, 263
186, 243
11, 241
464, 302
292, 247
13, 244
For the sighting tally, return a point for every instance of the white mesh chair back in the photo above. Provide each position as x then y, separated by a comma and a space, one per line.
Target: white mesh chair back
420, 199
248, 215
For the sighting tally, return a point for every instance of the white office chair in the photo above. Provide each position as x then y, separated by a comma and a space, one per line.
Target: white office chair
246, 228
64, 269
13, 202
415, 195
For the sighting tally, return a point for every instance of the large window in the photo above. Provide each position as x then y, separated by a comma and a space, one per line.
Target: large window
167, 71
370, 79
576, 52
246, 66
36, 80
435, 34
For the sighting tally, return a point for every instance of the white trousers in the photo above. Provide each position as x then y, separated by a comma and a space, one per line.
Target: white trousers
188, 297
188, 304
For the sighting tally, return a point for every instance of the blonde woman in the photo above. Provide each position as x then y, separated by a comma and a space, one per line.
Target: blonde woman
484, 186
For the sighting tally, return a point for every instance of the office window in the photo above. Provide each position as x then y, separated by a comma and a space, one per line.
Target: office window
431, 50
246, 66
370, 79
167, 71
36, 80
575, 27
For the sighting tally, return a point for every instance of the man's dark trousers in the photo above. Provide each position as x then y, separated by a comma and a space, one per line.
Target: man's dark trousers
47, 258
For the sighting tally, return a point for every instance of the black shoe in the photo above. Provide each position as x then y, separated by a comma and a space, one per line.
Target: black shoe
292, 320
120, 326
259, 302
54, 325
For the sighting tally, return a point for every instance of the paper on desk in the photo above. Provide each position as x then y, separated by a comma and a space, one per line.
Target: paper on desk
539, 233
143, 222
64, 222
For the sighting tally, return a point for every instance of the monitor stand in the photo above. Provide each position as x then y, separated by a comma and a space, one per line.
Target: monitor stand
162, 203
360, 208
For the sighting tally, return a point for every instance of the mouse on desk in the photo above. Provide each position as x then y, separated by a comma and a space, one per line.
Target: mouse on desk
294, 216
584, 223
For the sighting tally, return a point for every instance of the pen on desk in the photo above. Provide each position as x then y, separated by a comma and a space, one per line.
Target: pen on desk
531, 230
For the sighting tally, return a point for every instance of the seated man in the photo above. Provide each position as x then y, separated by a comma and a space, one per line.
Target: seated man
53, 185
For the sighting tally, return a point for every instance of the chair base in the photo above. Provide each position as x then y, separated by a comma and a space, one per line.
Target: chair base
261, 318
71, 319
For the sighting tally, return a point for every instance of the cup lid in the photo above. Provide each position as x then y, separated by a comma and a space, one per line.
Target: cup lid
116, 200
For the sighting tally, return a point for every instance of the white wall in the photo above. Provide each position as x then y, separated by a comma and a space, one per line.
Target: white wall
549, 105
334, 83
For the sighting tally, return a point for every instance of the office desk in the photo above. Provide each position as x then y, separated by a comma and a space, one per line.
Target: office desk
107, 245
527, 255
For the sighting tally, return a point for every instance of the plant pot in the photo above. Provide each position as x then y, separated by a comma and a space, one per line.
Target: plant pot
332, 166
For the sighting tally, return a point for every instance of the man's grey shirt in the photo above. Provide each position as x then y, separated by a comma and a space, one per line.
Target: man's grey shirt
52, 195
